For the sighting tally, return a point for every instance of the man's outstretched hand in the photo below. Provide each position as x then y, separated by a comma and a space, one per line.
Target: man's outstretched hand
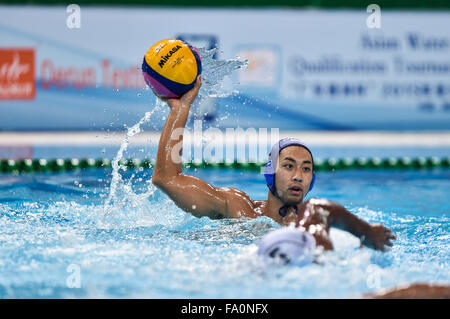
379, 237
187, 98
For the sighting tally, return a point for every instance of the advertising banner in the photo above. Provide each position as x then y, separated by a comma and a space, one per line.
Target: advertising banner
79, 68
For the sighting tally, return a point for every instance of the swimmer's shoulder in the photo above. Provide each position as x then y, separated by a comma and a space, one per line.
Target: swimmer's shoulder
239, 203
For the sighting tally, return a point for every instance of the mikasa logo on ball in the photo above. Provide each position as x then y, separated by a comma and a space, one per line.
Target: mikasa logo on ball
170, 67
168, 55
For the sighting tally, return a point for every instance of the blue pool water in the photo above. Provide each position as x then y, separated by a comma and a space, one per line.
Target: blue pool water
58, 240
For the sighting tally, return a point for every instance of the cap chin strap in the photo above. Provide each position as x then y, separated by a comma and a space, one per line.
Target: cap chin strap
283, 209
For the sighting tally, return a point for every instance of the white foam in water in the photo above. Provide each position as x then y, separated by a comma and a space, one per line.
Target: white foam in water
121, 195
181, 256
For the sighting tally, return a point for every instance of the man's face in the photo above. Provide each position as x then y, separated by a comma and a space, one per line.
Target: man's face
294, 174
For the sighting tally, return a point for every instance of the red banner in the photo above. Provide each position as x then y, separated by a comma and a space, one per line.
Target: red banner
17, 74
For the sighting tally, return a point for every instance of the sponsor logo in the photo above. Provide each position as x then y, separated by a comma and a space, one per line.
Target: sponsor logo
17, 74
166, 57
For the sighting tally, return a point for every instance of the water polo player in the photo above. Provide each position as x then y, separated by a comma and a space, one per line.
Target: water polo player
289, 174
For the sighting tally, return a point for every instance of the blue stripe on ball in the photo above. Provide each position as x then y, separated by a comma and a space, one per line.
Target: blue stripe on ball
177, 88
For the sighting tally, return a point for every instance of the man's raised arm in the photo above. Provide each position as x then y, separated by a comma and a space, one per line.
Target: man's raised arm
188, 192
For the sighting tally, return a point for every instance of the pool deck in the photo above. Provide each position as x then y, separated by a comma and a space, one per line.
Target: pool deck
22, 145
437, 139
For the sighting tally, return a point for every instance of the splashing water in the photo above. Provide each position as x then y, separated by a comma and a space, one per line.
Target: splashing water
116, 165
214, 71
121, 195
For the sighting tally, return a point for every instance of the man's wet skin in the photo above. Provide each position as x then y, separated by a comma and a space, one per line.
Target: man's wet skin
293, 177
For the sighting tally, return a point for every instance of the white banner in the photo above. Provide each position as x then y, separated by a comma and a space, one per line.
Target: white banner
308, 69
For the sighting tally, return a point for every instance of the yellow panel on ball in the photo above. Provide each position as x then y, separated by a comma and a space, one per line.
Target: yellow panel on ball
174, 60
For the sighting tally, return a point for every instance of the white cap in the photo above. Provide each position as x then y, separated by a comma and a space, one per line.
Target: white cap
290, 245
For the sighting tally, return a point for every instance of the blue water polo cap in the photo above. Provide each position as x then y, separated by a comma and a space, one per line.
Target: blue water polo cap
270, 168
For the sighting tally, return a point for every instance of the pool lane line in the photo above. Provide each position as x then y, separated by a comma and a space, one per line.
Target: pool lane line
328, 164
